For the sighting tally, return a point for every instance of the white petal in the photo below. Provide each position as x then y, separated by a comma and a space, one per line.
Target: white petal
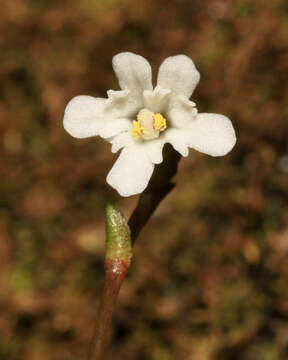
154, 149
181, 111
179, 74
122, 140
212, 134
115, 127
131, 172
133, 72
157, 99
123, 103
177, 138
84, 115
117, 95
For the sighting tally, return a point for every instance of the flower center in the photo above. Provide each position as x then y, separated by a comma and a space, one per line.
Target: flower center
148, 125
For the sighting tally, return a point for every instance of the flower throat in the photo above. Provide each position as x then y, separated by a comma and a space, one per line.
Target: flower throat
148, 125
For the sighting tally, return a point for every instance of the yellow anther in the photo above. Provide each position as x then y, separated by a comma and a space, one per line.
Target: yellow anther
159, 122
148, 125
137, 130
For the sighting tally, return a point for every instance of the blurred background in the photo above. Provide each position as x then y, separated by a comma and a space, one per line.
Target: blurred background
209, 278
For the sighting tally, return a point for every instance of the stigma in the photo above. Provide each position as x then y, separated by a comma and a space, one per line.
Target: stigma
148, 125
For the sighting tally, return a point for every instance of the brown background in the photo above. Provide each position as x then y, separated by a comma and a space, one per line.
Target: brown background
209, 274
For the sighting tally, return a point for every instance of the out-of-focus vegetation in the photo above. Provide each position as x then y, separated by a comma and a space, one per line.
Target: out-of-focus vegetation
209, 279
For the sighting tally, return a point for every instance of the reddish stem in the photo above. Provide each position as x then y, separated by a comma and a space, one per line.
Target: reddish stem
159, 187
116, 271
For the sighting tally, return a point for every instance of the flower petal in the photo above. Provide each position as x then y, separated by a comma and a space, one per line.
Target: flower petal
157, 99
121, 140
115, 127
133, 72
131, 172
122, 103
179, 74
181, 112
177, 138
154, 150
212, 134
84, 115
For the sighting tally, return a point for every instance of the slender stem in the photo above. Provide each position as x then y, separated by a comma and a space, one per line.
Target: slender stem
112, 284
159, 187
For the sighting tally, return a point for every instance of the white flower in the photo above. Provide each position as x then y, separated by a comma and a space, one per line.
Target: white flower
140, 120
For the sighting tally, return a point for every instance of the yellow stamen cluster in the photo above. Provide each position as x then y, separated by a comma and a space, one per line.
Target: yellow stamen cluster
137, 130
159, 122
